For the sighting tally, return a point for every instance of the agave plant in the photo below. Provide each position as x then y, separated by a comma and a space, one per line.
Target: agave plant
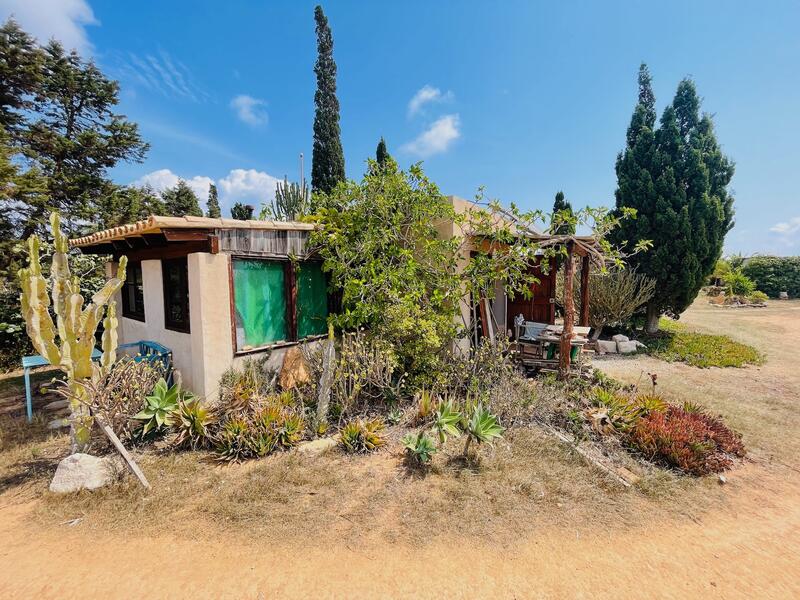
192, 422
290, 431
426, 405
420, 446
359, 436
234, 442
482, 427
159, 407
446, 421
647, 403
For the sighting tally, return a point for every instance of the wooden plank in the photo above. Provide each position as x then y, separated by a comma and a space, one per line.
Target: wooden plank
584, 316
185, 235
589, 458
173, 250
291, 297
569, 313
134, 468
232, 301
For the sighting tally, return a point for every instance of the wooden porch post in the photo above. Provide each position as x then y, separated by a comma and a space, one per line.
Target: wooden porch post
584, 318
569, 314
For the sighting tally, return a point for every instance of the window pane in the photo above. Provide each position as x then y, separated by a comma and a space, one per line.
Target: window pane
133, 292
312, 300
260, 301
176, 294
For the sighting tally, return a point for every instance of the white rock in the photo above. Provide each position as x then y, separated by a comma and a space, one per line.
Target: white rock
626, 347
58, 423
639, 344
56, 405
315, 447
620, 338
83, 471
607, 347
783, 295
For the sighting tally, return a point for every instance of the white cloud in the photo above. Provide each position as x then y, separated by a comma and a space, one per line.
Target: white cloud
239, 185
160, 72
64, 20
787, 228
248, 186
250, 110
436, 139
164, 178
427, 94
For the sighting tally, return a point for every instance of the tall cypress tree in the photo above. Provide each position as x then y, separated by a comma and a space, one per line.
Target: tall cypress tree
327, 161
213, 203
381, 153
676, 178
561, 204
181, 200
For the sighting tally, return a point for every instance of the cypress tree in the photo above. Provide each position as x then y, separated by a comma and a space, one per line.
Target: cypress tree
676, 178
327, 161
181, 201
381, 153
560, 205
242, 212
212, 205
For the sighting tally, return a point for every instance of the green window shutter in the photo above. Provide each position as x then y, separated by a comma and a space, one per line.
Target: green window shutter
312, 300
259, 290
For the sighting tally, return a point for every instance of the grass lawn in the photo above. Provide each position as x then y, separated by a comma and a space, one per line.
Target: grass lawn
676, 343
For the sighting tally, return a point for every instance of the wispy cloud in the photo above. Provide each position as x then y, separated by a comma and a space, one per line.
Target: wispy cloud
193, 139
427, 94
64, 20
250, 110
436, 139
789, 227
160, 73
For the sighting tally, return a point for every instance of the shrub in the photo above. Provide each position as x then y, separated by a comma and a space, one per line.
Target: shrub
738, 284
476, 374
275, 426
234, 443
690, 441
359, 436
675, 343
239, 389
482, 428
774, 274
192, 424
420, 447
757, 297
426, 403
160, 406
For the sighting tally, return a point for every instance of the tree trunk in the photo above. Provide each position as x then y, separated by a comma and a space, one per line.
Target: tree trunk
569, 315
653, 314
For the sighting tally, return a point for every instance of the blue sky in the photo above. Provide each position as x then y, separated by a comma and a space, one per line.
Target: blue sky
525, 98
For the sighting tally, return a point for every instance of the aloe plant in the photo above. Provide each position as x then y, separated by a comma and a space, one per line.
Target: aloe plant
482, 427
446, 421
69, 341
160, 407
420, 446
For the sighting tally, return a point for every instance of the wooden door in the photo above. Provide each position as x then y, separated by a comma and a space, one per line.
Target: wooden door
541, 307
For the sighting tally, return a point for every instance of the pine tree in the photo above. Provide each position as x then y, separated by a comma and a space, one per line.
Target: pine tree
181, 201
128, 204
560, 205
676, 178
381, 153
21, 74
327, 161
213, 203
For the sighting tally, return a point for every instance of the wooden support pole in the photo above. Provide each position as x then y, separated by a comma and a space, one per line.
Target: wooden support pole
569, 313
134, 468
584, 317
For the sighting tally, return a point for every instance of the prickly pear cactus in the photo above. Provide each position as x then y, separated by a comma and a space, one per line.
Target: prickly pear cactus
68, 342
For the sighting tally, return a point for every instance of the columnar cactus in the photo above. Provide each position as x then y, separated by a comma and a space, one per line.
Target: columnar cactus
75, 324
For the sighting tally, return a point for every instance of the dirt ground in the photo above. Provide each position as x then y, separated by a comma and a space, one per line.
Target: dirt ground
746, 544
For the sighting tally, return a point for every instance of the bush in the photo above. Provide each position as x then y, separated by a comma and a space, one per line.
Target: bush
773, 274
675, 343
690, 441
757, 297
738, 284
359, 436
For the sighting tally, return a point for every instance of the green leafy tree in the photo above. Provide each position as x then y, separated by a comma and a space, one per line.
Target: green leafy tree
21, 74
128, 204
212, 206
180, 201
74, 138
242, 212
327, 161
676, 179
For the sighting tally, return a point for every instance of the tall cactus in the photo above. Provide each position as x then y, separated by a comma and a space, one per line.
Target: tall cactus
69, 342
291, 201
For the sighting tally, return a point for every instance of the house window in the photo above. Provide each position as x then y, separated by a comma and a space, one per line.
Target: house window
175, 274
277, 301
133, 292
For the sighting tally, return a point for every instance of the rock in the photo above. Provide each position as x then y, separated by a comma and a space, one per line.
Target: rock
315, 447
606, 347
722, 479
626, 347
639, 344
58, 423
83, 471
620, 338
783, 295
56, 405
295, 371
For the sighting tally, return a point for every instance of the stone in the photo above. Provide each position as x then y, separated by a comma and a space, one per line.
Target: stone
626, 347
722, 479
783, 295
315, 447
295, 371
639, 344
56, 405
606, 347
83, 472
58, 423
620, 338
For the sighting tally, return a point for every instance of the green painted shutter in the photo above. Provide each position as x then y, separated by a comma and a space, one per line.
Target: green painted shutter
260, 299
312, 300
